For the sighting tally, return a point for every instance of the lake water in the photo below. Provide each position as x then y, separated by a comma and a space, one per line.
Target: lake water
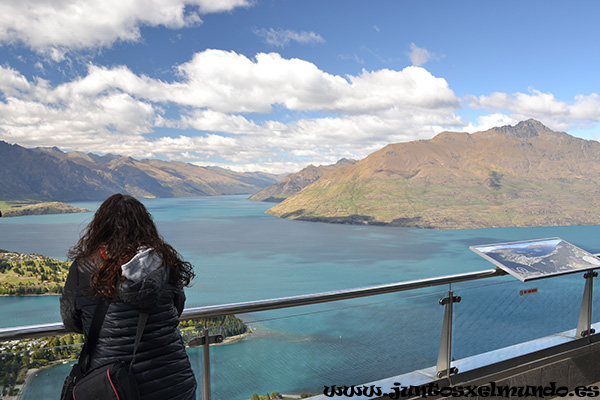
242, 254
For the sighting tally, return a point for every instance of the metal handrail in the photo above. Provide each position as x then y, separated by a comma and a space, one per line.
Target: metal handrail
325, 297
35, 331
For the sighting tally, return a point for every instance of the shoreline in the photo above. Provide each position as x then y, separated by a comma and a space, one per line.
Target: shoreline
235, 339
227, 341
30, 295
31, 374
238, 338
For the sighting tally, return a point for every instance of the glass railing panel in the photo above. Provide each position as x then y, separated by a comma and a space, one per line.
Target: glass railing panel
502, 312
344, 343
303, 349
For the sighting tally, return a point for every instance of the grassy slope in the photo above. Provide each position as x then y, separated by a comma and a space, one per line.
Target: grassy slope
33, 271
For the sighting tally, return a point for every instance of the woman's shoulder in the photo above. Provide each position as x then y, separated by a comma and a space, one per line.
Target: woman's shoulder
87, 265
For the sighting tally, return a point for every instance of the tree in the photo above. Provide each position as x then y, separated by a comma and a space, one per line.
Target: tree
21, 377
4, 266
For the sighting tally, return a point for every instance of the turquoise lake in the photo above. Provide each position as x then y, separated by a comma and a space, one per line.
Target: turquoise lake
242, 254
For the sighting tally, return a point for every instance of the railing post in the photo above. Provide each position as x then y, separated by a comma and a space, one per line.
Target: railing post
444, 368
205, 341
205, 365
584, 324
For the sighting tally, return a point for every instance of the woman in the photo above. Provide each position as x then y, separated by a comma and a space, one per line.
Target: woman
122, 258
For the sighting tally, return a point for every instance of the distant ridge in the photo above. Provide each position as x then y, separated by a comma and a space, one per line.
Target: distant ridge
48, 174
523, 175
293, 183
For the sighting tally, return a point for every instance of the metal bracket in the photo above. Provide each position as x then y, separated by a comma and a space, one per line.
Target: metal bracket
441, 374
446, 300
443, 368
584, 324
199, 341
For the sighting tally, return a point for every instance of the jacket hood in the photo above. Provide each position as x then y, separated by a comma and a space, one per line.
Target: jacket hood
144, 276
141, 265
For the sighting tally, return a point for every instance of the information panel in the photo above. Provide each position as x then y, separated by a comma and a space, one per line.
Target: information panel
536, 259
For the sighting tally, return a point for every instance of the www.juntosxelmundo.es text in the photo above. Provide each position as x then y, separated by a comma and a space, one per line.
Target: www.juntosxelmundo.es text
489, 390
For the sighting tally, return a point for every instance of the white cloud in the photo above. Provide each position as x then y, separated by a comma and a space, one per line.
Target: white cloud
61, 25
216, 105
12, 82
486, 122
558, 115
586, 107
419, 55
35, 114
213, 121
283, 37
230, 82
214, 6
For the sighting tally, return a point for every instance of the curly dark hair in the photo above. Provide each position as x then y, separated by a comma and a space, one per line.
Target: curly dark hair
120, 227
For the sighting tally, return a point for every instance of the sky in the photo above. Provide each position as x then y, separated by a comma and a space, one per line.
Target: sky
276, 85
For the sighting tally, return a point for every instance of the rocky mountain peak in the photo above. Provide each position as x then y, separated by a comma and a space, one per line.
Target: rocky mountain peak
345, 161
525, 129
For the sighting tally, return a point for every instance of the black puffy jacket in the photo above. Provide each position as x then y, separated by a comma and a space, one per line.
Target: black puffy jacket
161, 367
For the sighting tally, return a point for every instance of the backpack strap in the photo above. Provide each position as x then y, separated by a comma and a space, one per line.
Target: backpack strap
143, 317
93, 334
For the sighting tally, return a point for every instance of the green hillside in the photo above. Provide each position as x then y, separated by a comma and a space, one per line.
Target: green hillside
525, 175
31, 274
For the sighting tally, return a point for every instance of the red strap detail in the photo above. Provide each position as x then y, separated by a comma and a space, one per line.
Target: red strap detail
103, 253
111, 384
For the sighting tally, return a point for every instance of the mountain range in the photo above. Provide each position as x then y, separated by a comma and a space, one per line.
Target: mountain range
522, 175
49, 174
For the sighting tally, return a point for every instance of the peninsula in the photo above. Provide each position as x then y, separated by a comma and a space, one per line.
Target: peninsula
18, 208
